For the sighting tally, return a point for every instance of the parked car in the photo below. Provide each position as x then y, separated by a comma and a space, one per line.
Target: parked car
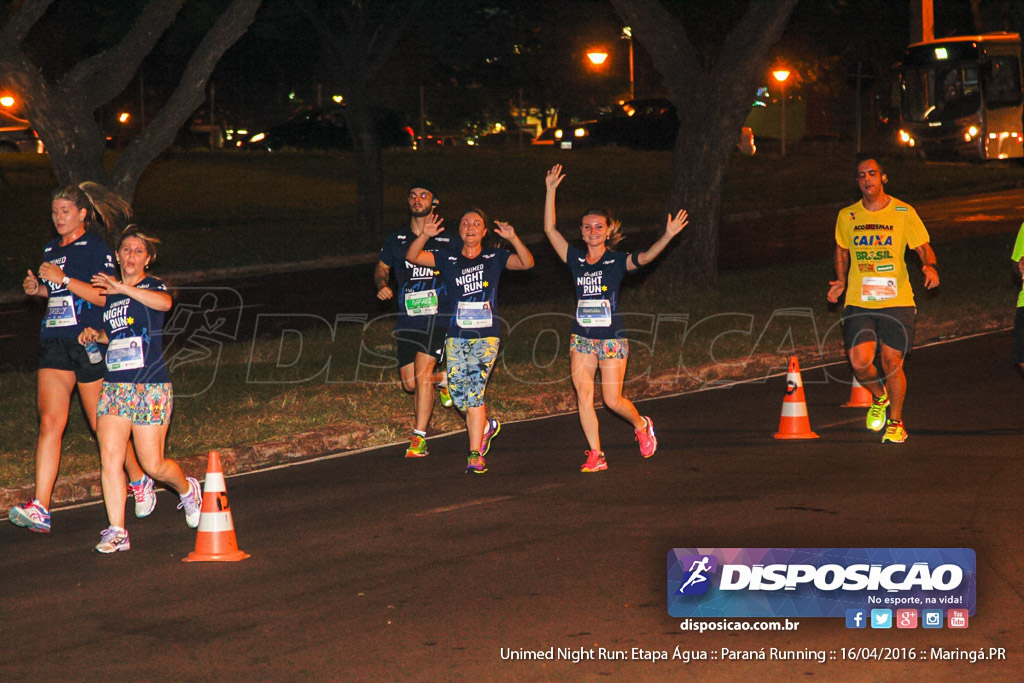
16, 135
640, 124
325, 129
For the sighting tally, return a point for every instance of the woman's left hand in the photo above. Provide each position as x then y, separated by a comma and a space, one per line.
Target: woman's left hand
505, 230
107, 284
674, 226
51, 273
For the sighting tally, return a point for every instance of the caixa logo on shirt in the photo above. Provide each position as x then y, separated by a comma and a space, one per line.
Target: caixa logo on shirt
807, 582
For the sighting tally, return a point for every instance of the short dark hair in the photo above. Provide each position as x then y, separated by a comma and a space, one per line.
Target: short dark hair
867, 156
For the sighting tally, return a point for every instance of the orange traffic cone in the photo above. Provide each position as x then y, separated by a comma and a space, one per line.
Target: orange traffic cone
215, 541
794, 423
859, 396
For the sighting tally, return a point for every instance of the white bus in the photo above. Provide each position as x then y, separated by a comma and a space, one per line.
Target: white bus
963, 97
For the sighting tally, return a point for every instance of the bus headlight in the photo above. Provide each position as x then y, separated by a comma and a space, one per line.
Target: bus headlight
970, 133
906, 139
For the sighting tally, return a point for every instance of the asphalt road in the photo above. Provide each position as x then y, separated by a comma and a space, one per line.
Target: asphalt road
747, 241
371, 567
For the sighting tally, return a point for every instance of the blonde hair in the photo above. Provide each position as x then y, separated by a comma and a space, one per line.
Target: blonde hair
614, 225
106, 211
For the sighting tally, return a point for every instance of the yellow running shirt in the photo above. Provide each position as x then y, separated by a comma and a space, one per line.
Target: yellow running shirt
1018, 254
877, 241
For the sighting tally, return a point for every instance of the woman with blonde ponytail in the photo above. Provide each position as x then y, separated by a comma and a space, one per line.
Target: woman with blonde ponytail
85, 216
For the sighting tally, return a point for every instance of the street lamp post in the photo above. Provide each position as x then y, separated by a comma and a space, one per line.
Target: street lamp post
627, 35
781, 75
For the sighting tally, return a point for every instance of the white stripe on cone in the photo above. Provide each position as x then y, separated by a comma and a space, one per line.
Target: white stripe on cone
794, 409
214, 483
216, 522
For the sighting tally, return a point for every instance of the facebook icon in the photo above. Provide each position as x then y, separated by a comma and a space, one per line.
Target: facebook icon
856, 618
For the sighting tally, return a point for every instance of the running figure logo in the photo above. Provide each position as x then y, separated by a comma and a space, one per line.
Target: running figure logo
696, 581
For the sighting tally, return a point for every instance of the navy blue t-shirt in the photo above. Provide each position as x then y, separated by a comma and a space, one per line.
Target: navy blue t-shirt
415, 282
597, 292
135, 353
67, 314
473, 285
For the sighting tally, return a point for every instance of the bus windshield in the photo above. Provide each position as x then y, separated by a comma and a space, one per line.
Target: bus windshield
941, 92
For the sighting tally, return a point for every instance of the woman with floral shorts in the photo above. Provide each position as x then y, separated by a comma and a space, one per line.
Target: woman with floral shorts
471, 276
136, 399
598, 339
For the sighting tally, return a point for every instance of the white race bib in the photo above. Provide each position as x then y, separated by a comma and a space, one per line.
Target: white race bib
473, 315
594, 312
421, 303
60, 311
878, 288
125, 354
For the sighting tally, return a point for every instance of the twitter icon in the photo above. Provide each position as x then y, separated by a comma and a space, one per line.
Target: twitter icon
881, 618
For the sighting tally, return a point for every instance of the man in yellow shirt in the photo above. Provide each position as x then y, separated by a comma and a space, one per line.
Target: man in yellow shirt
871, 241
1018, 320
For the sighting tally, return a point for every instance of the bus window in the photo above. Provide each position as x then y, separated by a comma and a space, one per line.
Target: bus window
1002, 82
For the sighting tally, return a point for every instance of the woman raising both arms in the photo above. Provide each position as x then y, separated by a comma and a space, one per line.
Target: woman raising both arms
598, 340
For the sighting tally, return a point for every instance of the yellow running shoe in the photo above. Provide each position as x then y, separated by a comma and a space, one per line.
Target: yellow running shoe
895, 432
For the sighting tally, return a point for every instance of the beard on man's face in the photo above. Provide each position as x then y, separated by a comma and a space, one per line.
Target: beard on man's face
421, 213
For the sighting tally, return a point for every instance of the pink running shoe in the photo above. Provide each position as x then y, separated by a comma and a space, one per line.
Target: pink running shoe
595, 462
648, 442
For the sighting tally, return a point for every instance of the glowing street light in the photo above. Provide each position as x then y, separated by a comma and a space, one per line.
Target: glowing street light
782, 75
597, 56
7, 101
123, 117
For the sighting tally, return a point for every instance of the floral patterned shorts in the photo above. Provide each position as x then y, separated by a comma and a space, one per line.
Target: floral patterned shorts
602, 348
469, 367
143, 404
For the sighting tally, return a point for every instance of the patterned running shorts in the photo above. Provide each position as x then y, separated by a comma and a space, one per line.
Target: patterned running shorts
602, 348
143, 404
469, 367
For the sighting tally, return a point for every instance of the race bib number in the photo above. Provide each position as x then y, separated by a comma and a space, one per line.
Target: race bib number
125, 354
421, 303
877, 289
473, 315
60, 311
594, 312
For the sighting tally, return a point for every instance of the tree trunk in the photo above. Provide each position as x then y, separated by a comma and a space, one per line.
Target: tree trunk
712, 103
64, 113
370, 170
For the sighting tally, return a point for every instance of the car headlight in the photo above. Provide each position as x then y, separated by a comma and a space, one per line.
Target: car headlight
258, 137
580, 132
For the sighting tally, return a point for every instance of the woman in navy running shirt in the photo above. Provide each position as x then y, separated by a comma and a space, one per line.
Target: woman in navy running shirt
598, 340
70, 261
471, 276
137, 397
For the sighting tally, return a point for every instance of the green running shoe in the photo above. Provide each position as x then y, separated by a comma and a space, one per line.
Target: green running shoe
445, 396
876, 413
417, 447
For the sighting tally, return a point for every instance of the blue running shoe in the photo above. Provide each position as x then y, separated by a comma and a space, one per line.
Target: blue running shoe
31, 515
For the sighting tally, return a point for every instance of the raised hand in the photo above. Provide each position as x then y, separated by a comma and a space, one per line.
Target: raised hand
554, 177
674, 226
432, 225
505, 230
